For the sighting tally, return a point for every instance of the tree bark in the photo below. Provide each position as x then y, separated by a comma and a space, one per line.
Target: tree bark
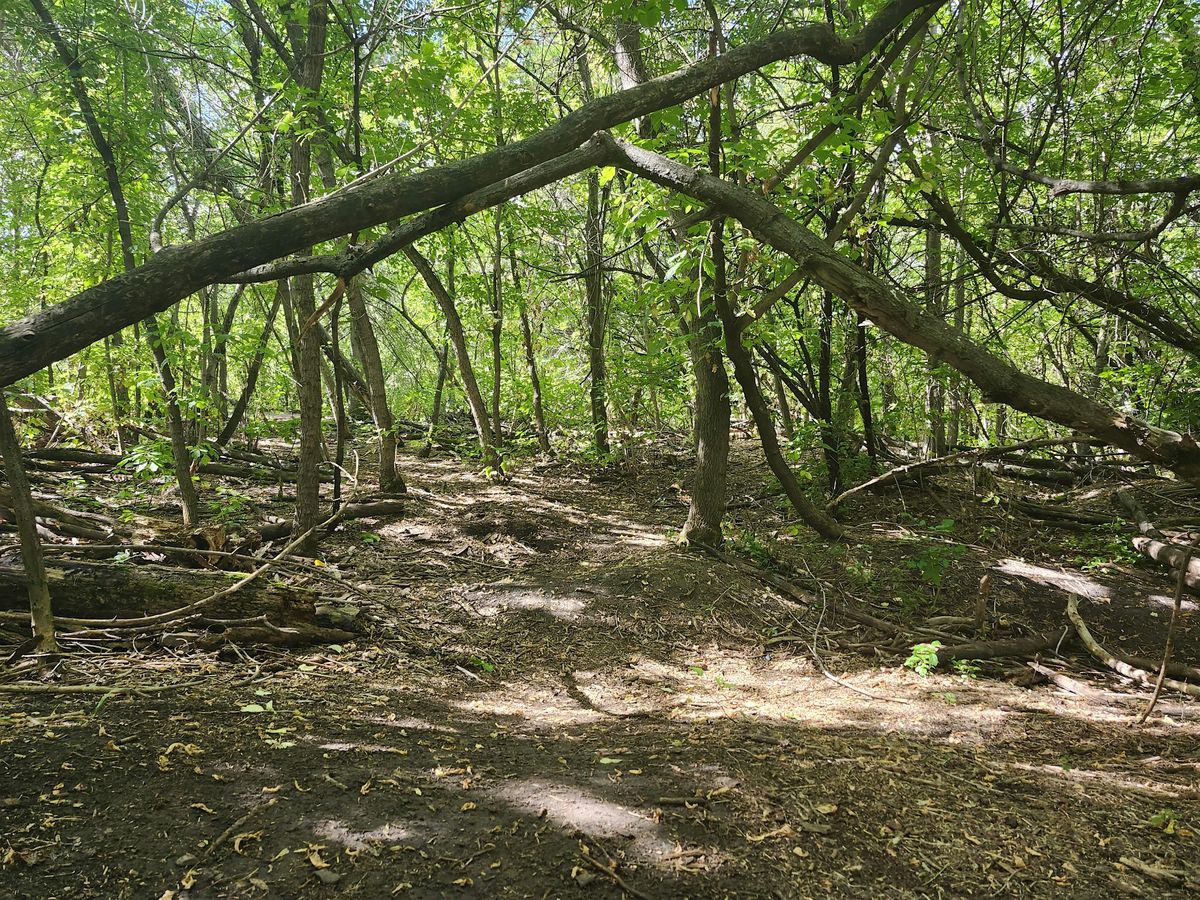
381, 412
466, 371
38, 589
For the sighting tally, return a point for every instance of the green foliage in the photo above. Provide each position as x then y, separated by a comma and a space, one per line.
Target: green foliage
924, 658
934, 561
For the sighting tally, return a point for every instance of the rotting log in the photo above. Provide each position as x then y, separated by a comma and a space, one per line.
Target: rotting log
94, 590
64, 458
1016, 647
1157, 546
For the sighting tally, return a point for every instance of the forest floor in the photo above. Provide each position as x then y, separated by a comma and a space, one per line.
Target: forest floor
554, 700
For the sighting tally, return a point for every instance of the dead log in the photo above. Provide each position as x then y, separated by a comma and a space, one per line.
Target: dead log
219, 634
364, 509
257, 468
1018, 647
960, 459
1158, 546
1116, 663
100, 590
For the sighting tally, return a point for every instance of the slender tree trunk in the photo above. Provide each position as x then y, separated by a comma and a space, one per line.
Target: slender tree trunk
593, 236
179, 449
372, 363
40, 612
260, 353
864, 392
535, 381
935, 305
743, 370
954, 425
497, 324
436, 414
307, 39
189, 501
466, 371
785, 408
830, 439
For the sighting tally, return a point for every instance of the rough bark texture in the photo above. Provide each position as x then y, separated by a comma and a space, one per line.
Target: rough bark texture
706, 507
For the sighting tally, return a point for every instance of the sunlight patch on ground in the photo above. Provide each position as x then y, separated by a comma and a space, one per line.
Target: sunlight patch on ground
407, 722
340, 833
543, 705
1185, 605
498, 598
572, 807
1071, 582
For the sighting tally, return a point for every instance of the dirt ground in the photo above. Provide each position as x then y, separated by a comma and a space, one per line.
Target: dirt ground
554, 700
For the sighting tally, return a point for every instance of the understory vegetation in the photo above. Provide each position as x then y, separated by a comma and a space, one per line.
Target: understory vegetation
617, 448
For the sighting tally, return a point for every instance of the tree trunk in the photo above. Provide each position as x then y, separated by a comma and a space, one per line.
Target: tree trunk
435, 414
466, 371
706, 508
372, 363
497, 329
1000, 381
935, 305
38, 589
535, 382
260, 353
593, 237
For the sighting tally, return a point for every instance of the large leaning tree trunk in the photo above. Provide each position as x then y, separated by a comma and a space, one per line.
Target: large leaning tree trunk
32, 343
998, 380
381, 412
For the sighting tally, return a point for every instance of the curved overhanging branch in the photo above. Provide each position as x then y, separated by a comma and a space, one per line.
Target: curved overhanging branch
357, 259
999, 380
37, 340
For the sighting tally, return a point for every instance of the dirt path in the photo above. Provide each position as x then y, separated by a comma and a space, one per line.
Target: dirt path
557, 702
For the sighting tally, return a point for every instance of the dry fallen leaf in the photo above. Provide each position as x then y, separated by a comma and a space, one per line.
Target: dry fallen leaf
204, 808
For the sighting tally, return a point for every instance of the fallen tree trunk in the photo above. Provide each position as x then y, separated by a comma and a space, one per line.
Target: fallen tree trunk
258, 612
1117, 664
256, 469
1158, 547
364, 509
97, 590
70, 522
949, 462
1020, 647
175, 272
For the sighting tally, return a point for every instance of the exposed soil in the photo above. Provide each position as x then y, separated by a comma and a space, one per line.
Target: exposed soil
556, 701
